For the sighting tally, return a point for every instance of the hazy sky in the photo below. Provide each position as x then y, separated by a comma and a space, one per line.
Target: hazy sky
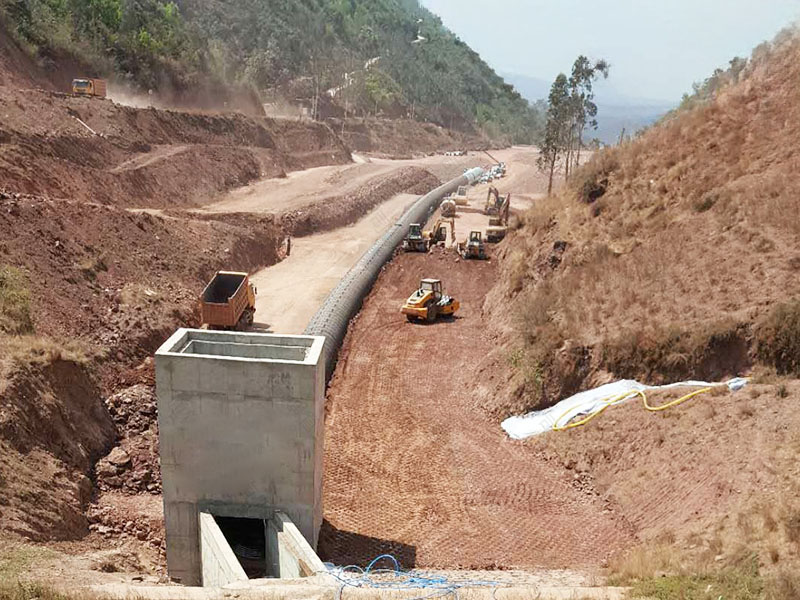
657, 48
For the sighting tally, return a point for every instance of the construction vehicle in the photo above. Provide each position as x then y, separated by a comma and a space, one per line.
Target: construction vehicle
89, 87
448, 207
473, 247
460, 197
498, 225
428, 302
495, 203
415, 240
228, 301
438, 233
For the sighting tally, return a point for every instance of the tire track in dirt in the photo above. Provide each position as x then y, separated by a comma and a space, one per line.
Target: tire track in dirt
411, 469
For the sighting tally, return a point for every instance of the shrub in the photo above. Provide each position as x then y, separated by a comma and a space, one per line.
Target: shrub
15, 302
591, 180
778, 338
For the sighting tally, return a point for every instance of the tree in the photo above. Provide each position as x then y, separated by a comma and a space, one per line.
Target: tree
557, 127
582, 107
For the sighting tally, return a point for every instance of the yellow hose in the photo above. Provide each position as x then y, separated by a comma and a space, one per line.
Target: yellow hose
614, 399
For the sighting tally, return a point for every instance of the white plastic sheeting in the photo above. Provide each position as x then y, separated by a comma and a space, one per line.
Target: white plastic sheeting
591, 401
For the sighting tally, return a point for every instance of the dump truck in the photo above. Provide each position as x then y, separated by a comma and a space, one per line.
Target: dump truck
89, 87
473, 246
415, 240
428, 302
228, 301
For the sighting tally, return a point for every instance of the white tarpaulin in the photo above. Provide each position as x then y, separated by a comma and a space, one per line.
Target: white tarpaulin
591, 401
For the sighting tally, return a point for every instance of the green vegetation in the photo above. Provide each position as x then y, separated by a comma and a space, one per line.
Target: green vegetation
303, 47
15, 302
570, 112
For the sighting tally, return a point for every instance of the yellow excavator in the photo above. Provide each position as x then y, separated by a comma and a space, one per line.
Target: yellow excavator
428, 302
438, 233
500, 208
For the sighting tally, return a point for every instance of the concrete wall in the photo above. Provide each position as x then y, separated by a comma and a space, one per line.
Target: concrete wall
219, 564
289, 552
239, 436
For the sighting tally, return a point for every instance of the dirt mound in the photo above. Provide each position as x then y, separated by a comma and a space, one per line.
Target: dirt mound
661, 257
52, 429
113, 276
411, 469
95, 150
337, 211
400, 138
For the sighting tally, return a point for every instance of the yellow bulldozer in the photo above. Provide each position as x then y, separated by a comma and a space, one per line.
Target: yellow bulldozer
429, 302
473, 246
415, 239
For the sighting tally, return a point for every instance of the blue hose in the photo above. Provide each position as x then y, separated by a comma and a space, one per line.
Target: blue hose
394, 578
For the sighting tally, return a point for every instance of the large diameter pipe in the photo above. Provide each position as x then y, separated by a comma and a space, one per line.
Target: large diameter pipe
344, 301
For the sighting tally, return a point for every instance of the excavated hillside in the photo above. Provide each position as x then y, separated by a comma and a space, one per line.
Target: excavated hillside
675, 256
96, 150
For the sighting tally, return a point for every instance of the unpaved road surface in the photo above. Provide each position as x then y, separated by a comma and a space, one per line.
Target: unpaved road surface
302, 188
290, 292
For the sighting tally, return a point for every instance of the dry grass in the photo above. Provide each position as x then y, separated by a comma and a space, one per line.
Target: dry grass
778, 338
15, 302
686, 242
23, 350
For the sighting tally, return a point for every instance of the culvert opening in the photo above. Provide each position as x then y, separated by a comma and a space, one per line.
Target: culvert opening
248, 540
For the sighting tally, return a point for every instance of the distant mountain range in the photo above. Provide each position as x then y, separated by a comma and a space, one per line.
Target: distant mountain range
615, 111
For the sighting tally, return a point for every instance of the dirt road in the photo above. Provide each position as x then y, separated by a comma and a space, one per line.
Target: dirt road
301, 188
290, 292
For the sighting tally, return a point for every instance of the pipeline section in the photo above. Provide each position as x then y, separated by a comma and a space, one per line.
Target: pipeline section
344, 301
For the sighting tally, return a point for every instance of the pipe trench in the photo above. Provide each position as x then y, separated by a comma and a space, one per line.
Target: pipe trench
344, 301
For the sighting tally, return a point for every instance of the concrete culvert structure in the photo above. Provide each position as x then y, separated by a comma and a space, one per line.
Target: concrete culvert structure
240, 420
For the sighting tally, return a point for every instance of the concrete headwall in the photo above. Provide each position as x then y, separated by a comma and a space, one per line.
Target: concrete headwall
290, 554
219, 564
240, 436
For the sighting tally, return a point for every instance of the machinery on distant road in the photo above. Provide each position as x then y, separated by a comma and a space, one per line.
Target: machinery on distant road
428, 302
228, 301
500, 206
89, 87
473, 247
495, 203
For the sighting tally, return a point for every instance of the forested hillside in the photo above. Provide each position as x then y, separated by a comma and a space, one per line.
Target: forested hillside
384, 57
